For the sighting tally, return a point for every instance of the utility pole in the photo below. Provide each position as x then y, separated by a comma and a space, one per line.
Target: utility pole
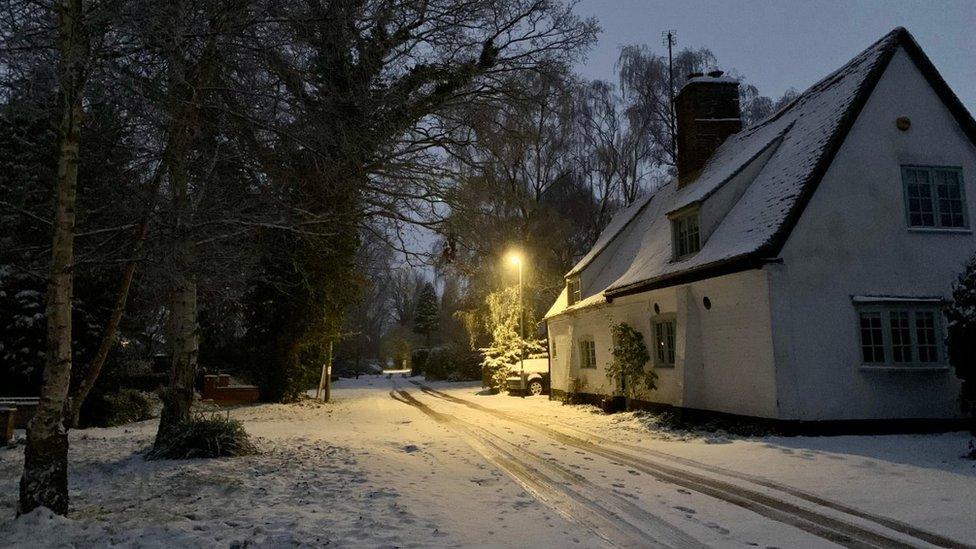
670, 38
521, 331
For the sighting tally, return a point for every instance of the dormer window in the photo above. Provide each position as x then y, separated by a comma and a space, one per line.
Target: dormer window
573, 290
686, 234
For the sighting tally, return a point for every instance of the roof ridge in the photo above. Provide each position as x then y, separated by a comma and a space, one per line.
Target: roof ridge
895, 35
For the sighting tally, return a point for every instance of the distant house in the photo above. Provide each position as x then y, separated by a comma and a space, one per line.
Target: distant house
795, 269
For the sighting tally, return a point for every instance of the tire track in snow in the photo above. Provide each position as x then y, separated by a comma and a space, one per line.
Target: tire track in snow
617, 521
835, 530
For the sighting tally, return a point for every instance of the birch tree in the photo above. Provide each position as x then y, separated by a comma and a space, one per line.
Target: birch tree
45, 478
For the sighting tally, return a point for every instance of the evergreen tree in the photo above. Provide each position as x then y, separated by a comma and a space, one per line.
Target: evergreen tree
507, 346
426, 318
961, 314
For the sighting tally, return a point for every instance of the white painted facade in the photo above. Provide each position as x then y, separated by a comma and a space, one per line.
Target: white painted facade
782, 341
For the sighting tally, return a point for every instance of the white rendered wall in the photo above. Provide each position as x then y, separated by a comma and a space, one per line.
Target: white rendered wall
724, 356
853, 239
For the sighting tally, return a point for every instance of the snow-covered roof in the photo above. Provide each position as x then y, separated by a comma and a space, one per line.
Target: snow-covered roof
794, 147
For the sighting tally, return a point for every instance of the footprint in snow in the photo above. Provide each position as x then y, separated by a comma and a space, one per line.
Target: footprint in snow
688, 510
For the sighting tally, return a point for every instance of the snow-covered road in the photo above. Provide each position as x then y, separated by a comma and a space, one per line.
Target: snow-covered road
397, 462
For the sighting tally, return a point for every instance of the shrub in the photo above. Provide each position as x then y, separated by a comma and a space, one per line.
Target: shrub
440, 362
630, 356
204, 436
119, 408
467, 366
418, 361
961, 340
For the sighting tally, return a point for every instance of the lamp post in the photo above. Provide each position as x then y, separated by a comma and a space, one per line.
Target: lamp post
516, 259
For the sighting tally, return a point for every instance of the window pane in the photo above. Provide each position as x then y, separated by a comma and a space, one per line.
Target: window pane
950, 198
901, 336
918, 191
693, 243
925, 336
669, 331
659, 342
872, 344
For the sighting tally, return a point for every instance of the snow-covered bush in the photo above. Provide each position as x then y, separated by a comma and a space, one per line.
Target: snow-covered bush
418, 361
440, 362
961, 314
630, 357
204, 436
119, 408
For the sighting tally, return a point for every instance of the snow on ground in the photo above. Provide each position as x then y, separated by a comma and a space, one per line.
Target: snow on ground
380, 468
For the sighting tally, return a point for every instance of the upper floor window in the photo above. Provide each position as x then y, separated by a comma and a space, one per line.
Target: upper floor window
663, 329
587, 353
934, 197
900, 334
573, 290
686, 234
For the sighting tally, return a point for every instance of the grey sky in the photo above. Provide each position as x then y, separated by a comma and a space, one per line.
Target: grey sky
779, 44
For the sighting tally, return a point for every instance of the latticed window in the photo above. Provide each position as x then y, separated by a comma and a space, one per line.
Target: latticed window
900, 334
872, 338
687, 238
573, 290
587, 353
664, 331
934, 197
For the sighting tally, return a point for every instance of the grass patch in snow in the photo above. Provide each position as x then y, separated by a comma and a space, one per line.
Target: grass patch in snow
205, 436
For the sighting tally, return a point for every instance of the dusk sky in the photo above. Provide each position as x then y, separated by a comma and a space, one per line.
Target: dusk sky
780, 44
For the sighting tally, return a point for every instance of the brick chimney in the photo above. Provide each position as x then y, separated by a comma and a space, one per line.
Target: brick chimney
707, 112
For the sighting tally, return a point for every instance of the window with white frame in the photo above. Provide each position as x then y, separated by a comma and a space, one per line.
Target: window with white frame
686, 234
934, 197
900, 333
587, 353
573, 290
663, 330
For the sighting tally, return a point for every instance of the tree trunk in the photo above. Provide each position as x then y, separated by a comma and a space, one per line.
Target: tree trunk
45, 478
108, 340
178, 397
121, 297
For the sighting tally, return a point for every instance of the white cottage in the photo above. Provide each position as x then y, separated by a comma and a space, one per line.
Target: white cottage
794, 270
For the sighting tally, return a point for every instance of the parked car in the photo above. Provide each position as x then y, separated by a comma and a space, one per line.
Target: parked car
536, 371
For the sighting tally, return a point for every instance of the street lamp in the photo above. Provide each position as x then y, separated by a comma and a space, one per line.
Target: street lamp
516, 259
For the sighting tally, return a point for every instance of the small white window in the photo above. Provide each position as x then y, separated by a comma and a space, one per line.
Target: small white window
664, 330
686, 235
587, 353
900, 334
573, 290
934, 197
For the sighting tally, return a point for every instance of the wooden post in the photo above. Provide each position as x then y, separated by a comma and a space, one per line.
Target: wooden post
325, 381
328, 376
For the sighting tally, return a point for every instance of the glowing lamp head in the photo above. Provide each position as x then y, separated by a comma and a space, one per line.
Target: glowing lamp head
514, 258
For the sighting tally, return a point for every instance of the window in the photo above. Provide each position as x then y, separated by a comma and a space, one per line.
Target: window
872, 340
573, 290
552, 344
900, 334
587, 353
686, 235
934, 197
663, 342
